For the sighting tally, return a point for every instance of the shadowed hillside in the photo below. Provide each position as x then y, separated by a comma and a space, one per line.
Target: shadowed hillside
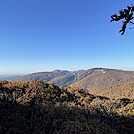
39, 107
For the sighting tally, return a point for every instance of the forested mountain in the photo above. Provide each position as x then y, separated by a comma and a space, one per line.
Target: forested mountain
61, 78
84, 79
102, 77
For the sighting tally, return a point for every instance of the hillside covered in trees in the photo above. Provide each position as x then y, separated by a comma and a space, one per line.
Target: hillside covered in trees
93, 77
40, 107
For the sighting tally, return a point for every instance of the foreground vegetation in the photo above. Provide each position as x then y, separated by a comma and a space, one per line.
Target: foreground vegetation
43, 108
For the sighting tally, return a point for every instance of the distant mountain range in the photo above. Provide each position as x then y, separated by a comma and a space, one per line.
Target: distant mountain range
94, 77
9, 77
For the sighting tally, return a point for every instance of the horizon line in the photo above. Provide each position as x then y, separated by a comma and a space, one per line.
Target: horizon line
122, 69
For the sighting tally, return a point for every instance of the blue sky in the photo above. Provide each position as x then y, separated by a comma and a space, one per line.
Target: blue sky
44, 35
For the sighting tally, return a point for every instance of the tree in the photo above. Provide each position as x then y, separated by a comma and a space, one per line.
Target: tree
126, 15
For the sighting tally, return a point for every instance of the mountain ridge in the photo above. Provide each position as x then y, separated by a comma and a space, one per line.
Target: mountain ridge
82, 78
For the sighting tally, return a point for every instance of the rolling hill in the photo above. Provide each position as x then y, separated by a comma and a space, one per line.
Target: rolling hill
61, 78
85, 79
102, 77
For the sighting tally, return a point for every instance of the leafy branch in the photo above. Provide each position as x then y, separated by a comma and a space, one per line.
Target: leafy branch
126, 15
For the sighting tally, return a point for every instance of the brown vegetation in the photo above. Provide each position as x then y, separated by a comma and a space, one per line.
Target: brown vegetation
124, 90
38, 107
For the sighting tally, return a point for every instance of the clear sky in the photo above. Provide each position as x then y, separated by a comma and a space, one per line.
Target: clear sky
44, 35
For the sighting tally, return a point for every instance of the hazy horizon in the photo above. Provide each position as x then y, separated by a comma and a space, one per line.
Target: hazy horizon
25, 73
46, 35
